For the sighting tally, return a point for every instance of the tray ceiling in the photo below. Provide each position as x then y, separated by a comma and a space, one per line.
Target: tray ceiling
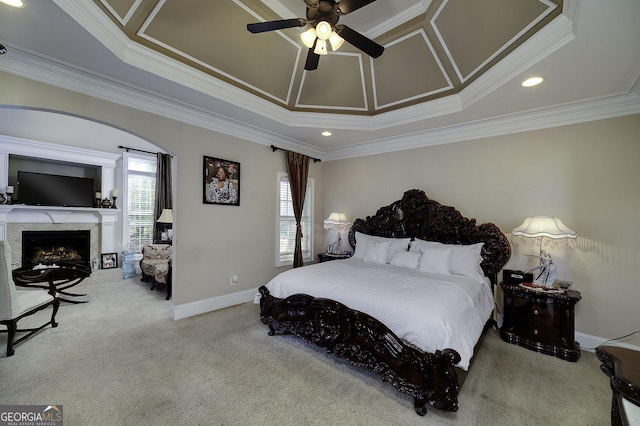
433, 49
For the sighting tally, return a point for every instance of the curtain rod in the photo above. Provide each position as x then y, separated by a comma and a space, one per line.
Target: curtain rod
275, 148
136, 149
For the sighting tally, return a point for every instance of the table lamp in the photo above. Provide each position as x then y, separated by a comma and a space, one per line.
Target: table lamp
339, 222
551, 232
166, 218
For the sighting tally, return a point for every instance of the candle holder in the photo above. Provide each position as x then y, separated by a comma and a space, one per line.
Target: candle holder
113, 206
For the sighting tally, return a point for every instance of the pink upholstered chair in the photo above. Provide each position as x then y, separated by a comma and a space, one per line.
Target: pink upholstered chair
17, 304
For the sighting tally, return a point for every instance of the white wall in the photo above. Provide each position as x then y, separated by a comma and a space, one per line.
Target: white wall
585, 174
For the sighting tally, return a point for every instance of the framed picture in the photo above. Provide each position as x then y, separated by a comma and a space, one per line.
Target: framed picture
221, 182
109, 260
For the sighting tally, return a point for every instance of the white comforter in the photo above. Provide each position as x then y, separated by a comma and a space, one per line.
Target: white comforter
430, 311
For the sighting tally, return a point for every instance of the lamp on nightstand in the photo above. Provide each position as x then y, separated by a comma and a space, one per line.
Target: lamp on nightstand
551, 232
339, 222
166, 218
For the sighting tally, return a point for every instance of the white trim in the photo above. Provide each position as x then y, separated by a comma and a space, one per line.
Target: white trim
588, 342
123, 20
550, 7
203, 306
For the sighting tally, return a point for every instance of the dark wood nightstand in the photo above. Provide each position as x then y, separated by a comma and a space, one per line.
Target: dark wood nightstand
541, 321
325, 257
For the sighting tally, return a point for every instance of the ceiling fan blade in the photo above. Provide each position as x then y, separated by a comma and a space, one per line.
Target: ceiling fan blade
348, 6
363, 43
261, 27
312, 61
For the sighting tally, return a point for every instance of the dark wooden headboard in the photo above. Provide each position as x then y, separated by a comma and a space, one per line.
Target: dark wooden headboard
416, 216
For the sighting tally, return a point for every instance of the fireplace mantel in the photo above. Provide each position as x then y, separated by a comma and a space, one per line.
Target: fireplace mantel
21, 213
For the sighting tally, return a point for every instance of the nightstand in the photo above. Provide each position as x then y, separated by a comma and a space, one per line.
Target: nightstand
325, 257
540, 321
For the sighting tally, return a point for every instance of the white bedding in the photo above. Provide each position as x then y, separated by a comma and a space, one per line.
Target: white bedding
430, 311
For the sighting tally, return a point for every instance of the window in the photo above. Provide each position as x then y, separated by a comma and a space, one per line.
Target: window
287, 222
140, 184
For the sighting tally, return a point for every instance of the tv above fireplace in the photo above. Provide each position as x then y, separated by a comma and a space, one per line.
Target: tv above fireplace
40, 189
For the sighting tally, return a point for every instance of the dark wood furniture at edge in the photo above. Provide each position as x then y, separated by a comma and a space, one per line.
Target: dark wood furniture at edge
326, 257
539, 321
430, 378
622, 365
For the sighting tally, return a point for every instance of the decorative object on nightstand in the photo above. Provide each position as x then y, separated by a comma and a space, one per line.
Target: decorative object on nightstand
339, 222
166, 218
540, 319
549, 231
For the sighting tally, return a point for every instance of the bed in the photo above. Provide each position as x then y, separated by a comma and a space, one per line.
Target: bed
411, 304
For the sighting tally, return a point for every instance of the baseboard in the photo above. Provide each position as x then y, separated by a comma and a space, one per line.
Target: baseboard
589, 342
191, 309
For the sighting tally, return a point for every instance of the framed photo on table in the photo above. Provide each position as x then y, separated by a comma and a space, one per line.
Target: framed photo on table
109, 260
221, 182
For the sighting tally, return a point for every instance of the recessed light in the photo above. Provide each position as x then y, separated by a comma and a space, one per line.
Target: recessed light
14, 3
326, 133
533, 81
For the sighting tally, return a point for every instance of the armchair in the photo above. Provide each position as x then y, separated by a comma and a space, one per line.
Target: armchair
156, 266
17, 304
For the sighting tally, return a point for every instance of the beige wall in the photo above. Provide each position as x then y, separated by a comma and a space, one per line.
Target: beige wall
212, 242
585, 174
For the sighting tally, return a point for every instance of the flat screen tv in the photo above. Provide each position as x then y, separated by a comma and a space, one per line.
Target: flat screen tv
39, 189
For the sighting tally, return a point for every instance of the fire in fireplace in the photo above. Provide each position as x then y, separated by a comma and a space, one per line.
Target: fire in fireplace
48, 247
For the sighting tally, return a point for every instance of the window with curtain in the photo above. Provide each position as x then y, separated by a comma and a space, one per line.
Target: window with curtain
140, 184
286, 222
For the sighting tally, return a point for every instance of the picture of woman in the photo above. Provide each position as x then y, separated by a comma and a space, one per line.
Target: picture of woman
222, 181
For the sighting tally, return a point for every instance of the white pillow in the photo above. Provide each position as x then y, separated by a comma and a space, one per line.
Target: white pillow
363, 239
418, 245
377, 252
435, 260
406, 259
465, 260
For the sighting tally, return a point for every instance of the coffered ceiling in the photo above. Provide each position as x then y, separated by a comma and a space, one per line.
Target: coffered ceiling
451, 69
432, 49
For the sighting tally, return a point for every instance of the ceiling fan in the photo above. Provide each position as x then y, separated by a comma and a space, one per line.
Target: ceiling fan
322, 16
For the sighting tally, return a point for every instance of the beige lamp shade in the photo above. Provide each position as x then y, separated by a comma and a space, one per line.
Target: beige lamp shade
337, 221
544, 226
545, 230
166, 216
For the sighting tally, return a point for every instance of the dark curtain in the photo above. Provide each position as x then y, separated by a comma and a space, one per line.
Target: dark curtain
163, 191
298, 170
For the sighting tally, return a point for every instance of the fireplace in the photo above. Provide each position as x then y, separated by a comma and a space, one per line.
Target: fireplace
48, 247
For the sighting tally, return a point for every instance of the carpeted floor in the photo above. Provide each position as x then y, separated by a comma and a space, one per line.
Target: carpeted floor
120, 360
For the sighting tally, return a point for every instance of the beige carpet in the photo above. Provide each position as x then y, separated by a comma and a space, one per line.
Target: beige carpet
120, 360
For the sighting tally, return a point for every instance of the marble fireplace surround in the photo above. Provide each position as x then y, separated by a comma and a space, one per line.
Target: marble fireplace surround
15, 218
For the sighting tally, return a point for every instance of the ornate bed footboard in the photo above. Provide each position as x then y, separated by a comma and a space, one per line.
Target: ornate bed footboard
430, 378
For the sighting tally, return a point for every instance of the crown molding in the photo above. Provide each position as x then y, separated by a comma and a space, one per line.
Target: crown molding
47, 71
557, 116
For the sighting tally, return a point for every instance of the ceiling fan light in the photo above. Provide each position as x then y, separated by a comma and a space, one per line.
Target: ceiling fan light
323, 30
321, 47
335, 40
308, 37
